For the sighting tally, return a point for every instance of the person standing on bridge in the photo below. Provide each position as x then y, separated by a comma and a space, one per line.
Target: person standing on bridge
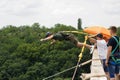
114, 67
101, 45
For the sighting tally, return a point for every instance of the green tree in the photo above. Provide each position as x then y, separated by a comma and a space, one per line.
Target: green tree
79, 25
24, 57
118, 31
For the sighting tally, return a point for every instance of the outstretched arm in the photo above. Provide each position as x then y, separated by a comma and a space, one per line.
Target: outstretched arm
92, 40
48, 38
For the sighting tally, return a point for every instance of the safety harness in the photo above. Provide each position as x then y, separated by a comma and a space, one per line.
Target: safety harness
115, 56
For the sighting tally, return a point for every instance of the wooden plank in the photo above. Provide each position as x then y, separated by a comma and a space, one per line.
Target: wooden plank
85, 76
96, 68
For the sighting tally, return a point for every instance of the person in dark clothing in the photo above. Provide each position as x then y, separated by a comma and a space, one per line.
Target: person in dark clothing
60, 36
112, 44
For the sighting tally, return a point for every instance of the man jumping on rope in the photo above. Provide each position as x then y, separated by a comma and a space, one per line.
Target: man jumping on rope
60, 36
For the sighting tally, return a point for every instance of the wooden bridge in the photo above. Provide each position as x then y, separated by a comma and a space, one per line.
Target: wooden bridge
97, 72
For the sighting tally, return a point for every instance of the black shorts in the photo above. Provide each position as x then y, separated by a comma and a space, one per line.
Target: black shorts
65, 36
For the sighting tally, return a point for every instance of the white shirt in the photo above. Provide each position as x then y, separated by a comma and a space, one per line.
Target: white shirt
102, 48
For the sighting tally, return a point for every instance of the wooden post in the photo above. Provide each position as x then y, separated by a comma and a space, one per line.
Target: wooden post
97, 68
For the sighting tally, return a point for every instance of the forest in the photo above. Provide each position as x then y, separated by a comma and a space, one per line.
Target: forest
24, 57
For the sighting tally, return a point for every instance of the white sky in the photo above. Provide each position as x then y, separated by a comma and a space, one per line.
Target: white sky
50, 12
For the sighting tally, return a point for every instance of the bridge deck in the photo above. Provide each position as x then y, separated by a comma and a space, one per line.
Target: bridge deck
96, 68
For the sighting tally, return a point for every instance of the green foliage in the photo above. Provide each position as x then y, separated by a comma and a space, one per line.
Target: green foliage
24, 57
118, 31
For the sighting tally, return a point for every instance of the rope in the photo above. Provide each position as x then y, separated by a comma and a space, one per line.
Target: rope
80, 57
75, 32
79, 65
90, 35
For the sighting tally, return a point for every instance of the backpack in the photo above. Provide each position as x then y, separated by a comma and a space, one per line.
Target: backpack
115, 56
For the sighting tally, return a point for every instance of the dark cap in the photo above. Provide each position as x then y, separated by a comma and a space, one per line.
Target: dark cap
99, 35
48, 34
